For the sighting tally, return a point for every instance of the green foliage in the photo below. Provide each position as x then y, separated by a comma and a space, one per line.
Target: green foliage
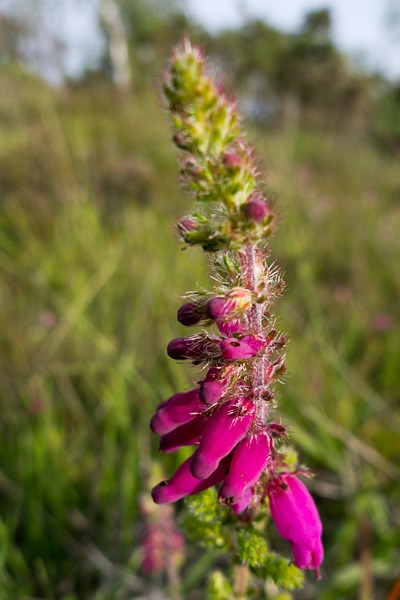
204, 522
252, 548
219, 587
212, 526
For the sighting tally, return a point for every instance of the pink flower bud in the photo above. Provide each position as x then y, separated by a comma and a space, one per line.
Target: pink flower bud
223, 307
235, 349
191, 313
187, 434
187, 225
297, 520
232, 160
180, 348
219, 307
176, 411
182, 483
256, 210
249, 459
225, 428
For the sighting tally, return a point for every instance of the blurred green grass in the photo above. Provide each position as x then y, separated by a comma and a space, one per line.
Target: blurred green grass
90, 283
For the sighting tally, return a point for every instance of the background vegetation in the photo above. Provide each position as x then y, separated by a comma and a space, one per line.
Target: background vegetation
90, 276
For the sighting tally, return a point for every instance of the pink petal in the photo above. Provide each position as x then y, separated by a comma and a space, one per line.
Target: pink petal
225, 428
179, 409
243, 502
249, 459
182, 483
184, 435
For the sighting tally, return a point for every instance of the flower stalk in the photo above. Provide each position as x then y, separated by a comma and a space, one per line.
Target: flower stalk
238, 351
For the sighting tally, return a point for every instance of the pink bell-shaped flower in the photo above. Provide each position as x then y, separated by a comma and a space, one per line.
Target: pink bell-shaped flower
184, 435
297, 520
179, 409
225, 428
249, 459
182, 483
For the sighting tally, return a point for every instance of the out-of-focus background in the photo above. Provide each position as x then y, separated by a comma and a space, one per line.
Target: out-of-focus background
90, 278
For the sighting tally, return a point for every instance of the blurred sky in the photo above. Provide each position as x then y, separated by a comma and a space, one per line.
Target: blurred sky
362, 28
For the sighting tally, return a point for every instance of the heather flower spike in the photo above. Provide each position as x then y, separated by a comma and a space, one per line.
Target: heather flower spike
238, 350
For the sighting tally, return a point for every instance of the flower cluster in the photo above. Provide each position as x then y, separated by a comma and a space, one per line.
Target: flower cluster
238, 349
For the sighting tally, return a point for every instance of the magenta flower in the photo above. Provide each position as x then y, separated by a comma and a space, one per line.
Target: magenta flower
240, 349
176, 411
241, 503
297, 520
228, 417
187, 434
211, 391
183, 483
225, 428
249, 459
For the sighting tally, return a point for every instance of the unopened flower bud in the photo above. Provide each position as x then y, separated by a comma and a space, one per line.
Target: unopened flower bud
256, 210
187, 225
198, 349
191, 313
223, 307
232, 161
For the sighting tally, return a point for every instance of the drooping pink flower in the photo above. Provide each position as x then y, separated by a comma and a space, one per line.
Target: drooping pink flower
183, 483
187, 434
249, 459
297, 520
176, 411
225, 428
